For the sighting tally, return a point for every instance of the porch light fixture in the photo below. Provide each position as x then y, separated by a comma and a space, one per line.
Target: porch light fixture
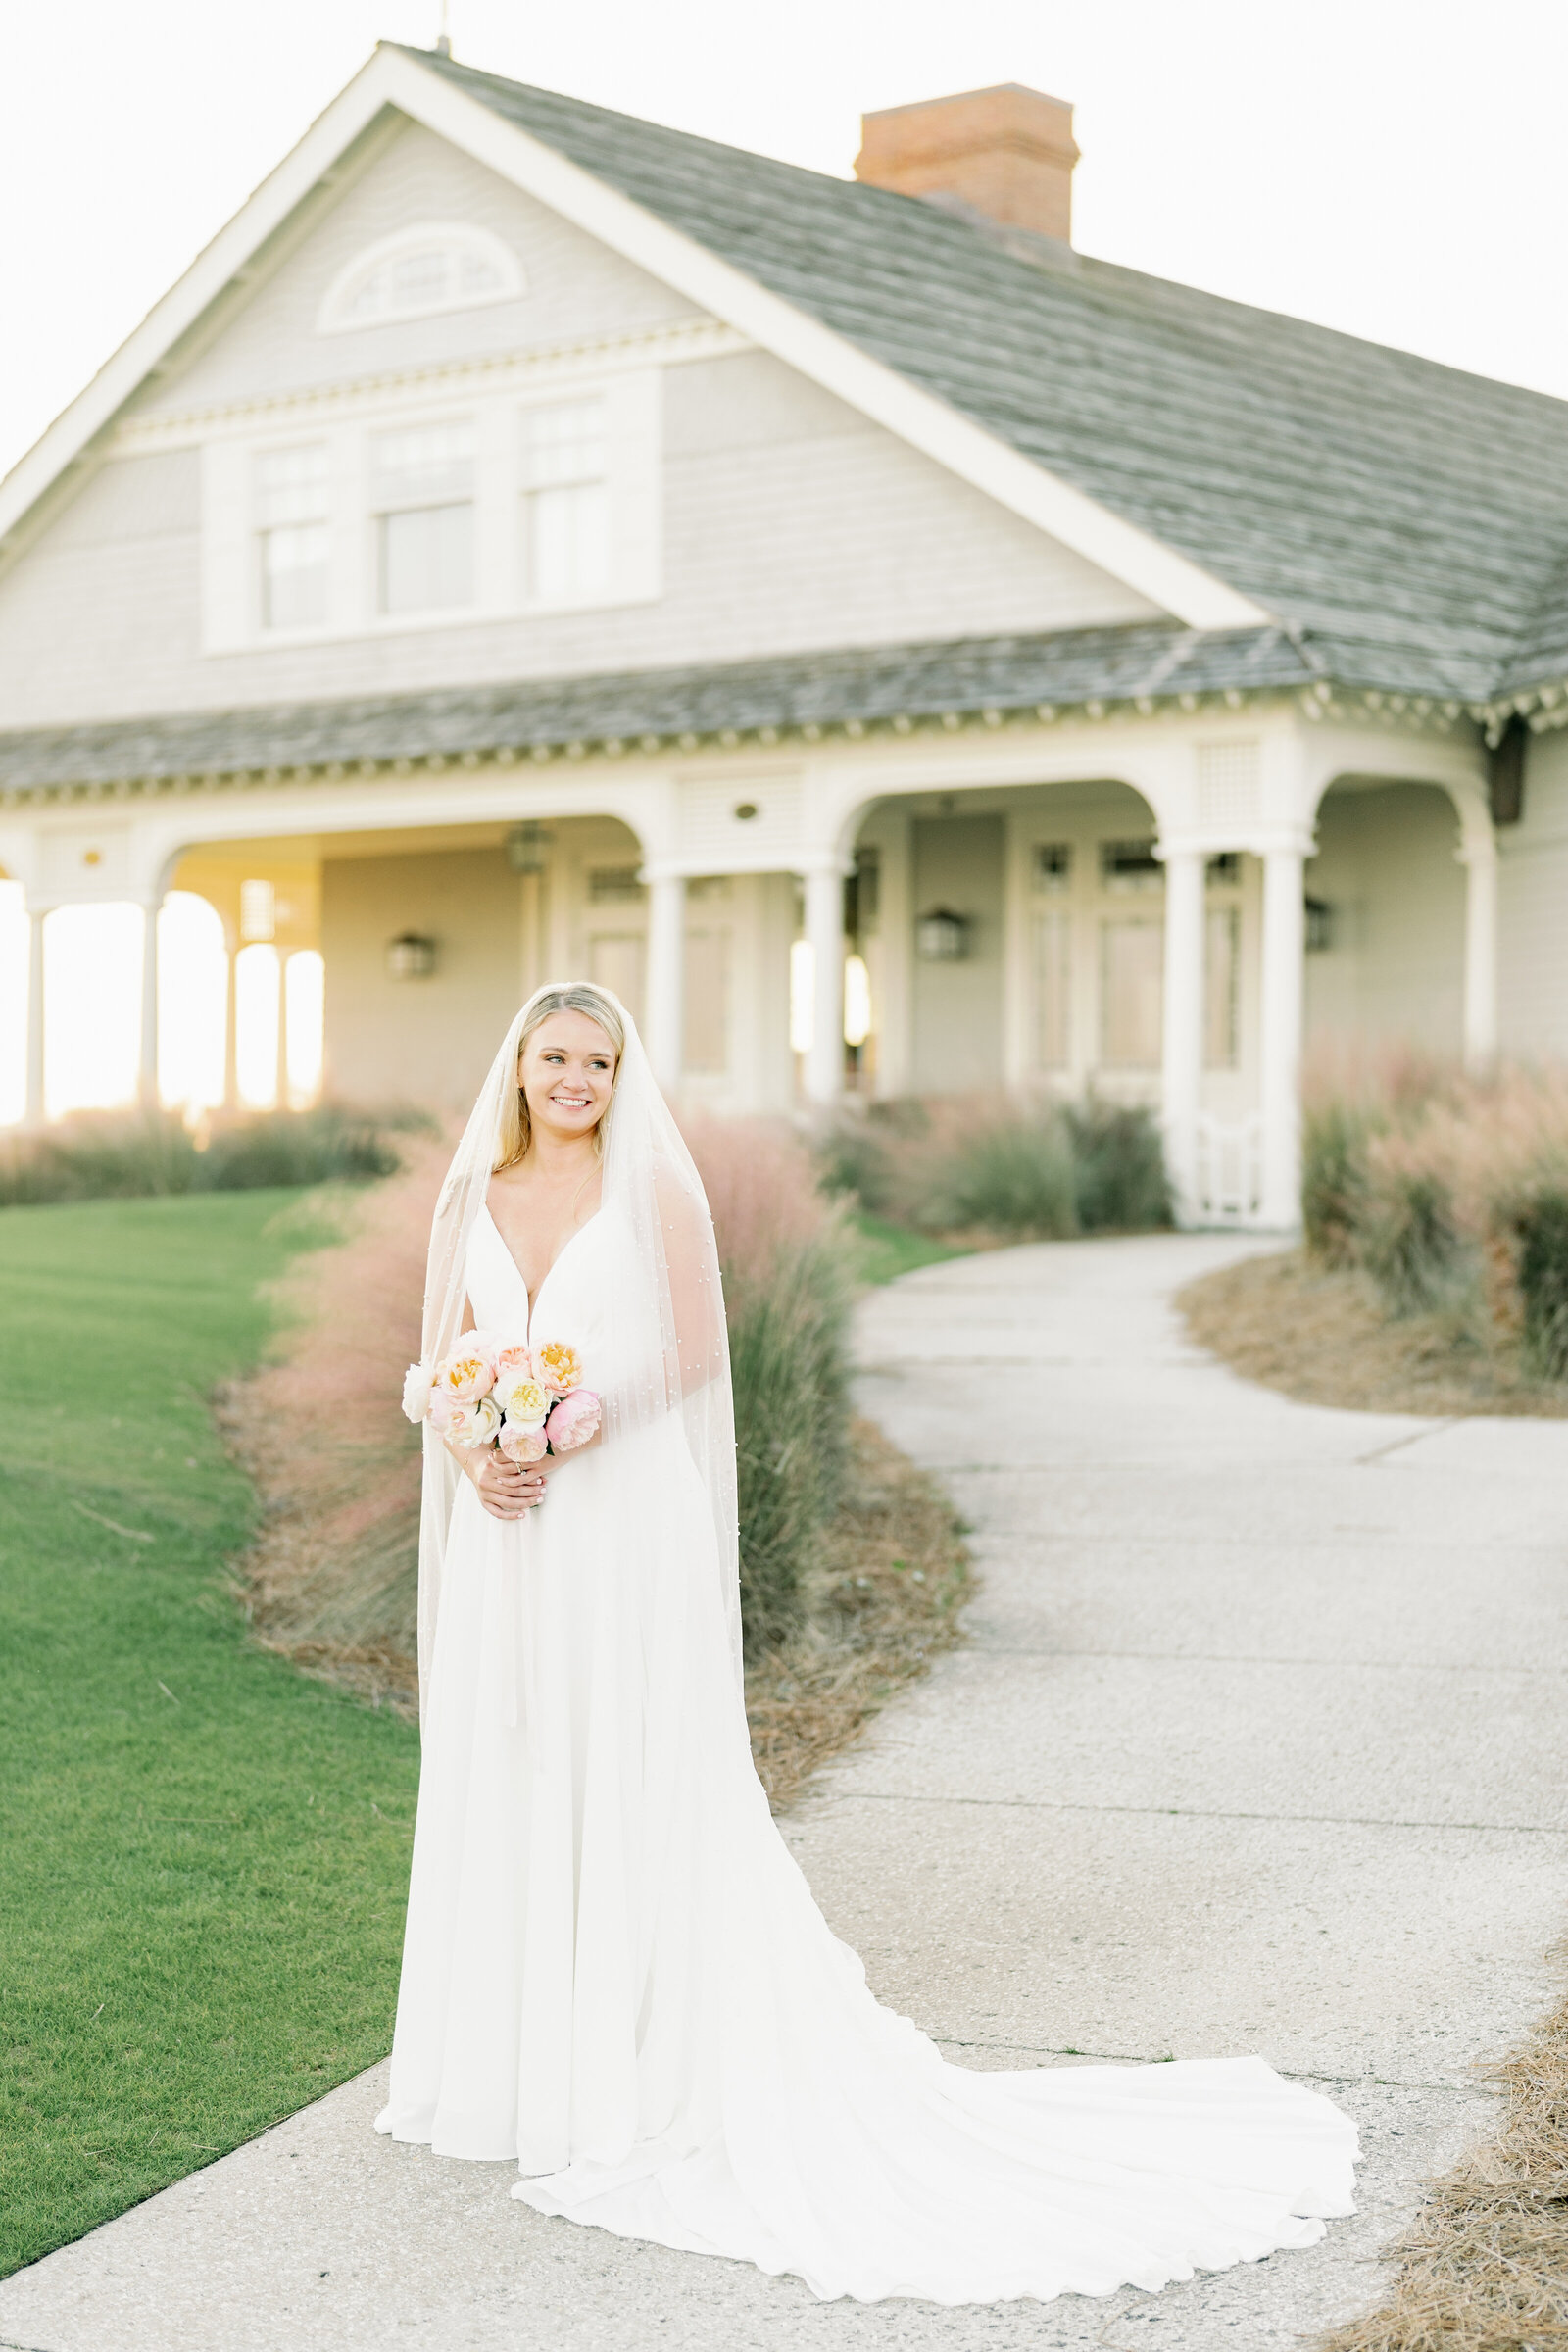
942, 937
526, 846
411, 956
745, 810
1319, 926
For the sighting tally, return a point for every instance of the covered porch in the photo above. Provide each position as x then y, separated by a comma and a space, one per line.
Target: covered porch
1159, 899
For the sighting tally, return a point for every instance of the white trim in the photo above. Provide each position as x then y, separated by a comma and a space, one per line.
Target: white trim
394, 77
588, 361
331, 317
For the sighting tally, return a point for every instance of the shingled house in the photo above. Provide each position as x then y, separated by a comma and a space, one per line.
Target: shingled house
895, 649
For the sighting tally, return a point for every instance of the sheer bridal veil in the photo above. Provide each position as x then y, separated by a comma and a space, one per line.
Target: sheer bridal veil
668, 1356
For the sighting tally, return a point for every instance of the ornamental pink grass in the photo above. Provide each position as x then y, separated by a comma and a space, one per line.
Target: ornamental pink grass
574, 1420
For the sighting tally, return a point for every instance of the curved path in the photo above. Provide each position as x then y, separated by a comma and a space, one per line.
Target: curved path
1257, 1744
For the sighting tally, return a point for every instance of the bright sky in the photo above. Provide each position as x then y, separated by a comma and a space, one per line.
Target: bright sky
1389, 166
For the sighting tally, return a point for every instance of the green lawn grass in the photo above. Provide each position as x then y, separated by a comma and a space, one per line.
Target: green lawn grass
203, 1855
889, 1250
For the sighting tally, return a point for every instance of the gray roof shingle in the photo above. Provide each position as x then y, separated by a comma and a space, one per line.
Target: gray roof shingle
1414, 514
914, 681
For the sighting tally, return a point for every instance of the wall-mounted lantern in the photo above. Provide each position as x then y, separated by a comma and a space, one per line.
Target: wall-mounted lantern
411, 956
942, 937
527, 846
1319, 926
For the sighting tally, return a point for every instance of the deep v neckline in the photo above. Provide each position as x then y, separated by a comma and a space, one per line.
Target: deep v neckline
533, 1298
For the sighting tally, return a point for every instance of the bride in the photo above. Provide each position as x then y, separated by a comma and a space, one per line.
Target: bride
613, 1970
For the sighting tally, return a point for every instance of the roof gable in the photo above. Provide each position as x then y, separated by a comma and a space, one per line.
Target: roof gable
414, 83
1409, 511
1231, 465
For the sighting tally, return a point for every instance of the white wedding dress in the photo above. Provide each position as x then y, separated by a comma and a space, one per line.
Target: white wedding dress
615, 1973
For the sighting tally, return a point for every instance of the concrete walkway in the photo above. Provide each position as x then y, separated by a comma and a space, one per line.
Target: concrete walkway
1258, 1744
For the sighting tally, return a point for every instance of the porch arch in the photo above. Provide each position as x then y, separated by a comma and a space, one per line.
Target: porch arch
1061, 904
1474, 849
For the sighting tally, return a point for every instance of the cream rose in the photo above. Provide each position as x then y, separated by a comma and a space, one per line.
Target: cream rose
416, 1382
471, 1424
523, 1400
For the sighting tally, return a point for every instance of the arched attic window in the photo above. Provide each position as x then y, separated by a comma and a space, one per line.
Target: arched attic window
438, 266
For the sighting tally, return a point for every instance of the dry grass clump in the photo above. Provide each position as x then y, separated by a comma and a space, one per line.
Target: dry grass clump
1484, 2265
979, 1168
1449, 1192
1323, 1336
125, 1154
884, 1600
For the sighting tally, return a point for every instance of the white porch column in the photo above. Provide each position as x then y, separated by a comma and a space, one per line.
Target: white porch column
34, 1112
1182, 1058
147, 1056
280, 1083
824, 931
1284, 947
1478, 855
665, 1010
231, 1030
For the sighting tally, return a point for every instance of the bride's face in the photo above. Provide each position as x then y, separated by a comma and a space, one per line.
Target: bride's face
566, 1070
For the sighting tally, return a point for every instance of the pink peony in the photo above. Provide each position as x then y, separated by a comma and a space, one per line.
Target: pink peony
521, 1445
574, 1420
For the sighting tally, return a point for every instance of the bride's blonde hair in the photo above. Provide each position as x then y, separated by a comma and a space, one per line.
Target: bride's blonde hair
571, 995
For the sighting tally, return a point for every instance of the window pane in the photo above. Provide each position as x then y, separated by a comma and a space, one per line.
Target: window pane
1053, 960
1130, 866
418, 277
1130, 995
294, 576
1219, 988
427, 558
564, 443
291, 485
423, 464
615, 962
707, 1006
569, 534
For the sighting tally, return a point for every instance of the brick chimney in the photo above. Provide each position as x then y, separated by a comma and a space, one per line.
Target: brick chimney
1008, 152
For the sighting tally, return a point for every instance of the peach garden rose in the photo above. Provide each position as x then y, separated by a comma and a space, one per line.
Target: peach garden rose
558, 1367
469, 1372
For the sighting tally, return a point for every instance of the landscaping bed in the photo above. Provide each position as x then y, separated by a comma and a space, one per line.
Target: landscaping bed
1322, 1335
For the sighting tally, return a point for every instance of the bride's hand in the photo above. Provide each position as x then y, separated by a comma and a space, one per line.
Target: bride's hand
506, 1489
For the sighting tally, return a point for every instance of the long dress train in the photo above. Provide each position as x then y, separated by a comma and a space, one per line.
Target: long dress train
614, 1971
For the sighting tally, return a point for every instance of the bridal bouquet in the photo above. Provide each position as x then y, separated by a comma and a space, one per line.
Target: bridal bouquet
490, 1391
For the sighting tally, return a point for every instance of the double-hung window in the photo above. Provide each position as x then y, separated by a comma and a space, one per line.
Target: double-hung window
566, 501
421, 495
291, 486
